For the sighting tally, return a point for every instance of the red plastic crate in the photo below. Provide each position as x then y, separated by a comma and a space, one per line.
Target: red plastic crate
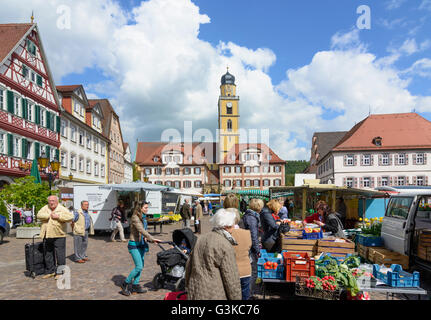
298, 264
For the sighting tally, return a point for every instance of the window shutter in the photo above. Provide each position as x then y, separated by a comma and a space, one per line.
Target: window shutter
390, 159
406, 159
345, 182
425, 158
355, 162
37, 114
361, 182
355, 182
414, 158
24, 108
372, 159
48, 152
24, 147
372, 182
48, 119
415, 180
406, 180
426, 180
10, 144
345, 160
58, 122
362, 159
380, 159
379, 181
396, 160
57, 155
36, 150
39, 80
10, 101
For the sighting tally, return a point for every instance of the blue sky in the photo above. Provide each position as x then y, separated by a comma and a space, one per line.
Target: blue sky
301, 66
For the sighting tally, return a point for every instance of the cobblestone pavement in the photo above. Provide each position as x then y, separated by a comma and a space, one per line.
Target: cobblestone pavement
99, 278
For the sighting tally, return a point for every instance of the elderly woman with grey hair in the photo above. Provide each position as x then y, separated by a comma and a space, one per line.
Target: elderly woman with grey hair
211, 271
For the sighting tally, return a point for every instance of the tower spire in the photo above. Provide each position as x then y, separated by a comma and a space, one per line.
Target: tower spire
32, 16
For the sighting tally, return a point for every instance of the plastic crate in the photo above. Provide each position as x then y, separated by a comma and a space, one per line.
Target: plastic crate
370, 241
301, 290
397, 277
312, 236
270, 273
298, 264
339, 259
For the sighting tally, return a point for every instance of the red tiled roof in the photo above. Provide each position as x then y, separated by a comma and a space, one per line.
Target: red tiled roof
146, 151
68, 88
10, 35
398, 131
238, 148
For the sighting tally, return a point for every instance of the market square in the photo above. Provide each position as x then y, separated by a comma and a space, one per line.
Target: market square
183, 150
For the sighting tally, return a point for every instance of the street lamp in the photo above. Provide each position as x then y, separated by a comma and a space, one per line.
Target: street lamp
44, 163
71, 176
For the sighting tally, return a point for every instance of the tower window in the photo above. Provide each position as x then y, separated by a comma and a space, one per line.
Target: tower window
229, 108
229, 125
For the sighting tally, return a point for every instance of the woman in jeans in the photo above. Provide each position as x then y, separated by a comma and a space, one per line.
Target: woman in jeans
137, 246
117, 218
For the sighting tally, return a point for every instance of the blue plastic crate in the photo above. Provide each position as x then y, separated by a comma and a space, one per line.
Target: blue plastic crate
339, 259
270, 273
370, 241
312, 236
397, 277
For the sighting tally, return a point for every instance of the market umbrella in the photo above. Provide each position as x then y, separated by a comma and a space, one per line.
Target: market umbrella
35, 172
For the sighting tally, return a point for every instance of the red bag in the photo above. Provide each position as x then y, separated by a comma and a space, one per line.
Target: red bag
176, 296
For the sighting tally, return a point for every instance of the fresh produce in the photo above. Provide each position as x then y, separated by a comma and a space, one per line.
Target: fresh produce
270, 265
326, 283
312, 230
352, 261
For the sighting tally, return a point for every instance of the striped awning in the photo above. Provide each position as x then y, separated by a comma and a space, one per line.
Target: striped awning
249, 192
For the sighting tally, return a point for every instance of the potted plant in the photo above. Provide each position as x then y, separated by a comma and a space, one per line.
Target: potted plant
28, 230
370, 235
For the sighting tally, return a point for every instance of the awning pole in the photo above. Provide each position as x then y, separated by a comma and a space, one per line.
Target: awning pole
304, 202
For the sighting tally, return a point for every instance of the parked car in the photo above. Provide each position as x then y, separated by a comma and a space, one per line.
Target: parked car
4, 228
404, 219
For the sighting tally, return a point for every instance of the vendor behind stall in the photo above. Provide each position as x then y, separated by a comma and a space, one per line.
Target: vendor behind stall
331, 222
316, 216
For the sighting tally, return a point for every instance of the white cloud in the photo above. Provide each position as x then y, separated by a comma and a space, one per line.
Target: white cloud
425, 5
159, 73
394, 4
421, 68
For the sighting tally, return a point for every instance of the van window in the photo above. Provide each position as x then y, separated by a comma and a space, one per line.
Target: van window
399, 207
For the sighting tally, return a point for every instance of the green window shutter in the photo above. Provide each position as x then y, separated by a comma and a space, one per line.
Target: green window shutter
39, 80
58, 123
48, 120
10, 101
10, 144
24, 148
48, 152
37, 114
24, 107
24, 71
36, 150
57, 155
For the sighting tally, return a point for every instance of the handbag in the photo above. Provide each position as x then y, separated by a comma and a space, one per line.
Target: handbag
113, 224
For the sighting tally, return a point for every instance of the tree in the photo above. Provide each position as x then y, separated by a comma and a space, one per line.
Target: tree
292, 167
24, 193
136, 173
3, 210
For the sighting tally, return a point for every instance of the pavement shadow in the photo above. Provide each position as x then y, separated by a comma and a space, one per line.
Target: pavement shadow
118, 280
4, 242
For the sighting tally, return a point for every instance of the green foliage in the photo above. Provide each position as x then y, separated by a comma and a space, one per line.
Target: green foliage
296, 166
136, 175
24, 193
290, 179
3, 210
30, 225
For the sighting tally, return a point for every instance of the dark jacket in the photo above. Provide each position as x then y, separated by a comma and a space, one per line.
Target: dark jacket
185, 211
270, 228
251, 221
334, 225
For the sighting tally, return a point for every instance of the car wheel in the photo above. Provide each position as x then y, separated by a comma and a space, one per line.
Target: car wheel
158, 281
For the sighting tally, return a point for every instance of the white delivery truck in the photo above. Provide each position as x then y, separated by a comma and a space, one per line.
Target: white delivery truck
103, 199
405, 218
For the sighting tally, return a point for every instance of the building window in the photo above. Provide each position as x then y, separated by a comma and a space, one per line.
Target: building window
168, 183
102, 170
229, 108
402, 159
96, 145
2, 143
16, 148
266, 183
248, 183
265, 169
238, 183
277, 169
63, 128
227, 183
187, 184
226, 169
247, 169
96, 169
197, 170
367, 182
81, 164
63, 159
177, 184
385, 181
16, 105
89, 166
420, 181
229, 125
30, 112
73, 162
198, 184
349, 182
237, 169
88, 141
81, 137
268, 157
256, 169
147, 171
401, 181
168, 171
277, 182
419, 158
366, 160
2, 104
385, 159
102, 150
256, 183
186, 171
350, 160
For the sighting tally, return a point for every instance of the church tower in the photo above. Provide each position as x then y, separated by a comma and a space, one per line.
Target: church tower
228, 115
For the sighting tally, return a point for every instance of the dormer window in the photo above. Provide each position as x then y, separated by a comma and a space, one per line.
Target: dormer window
377, 141
156, 159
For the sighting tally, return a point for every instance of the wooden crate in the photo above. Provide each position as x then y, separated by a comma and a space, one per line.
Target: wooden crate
299, 245
424, 253
335, 248
387, 257
371, 252
363, 251
425, 238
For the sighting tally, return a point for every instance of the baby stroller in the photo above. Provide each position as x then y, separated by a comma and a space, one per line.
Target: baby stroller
173, 261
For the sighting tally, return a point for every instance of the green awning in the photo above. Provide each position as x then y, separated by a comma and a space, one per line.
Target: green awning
249, 192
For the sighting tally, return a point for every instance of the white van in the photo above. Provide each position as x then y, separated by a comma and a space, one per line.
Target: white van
403, 222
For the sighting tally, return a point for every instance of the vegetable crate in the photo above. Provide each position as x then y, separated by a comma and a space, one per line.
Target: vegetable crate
370, 240
299, 245
265, 272
338, 259
298, 264
397, 277
302, 291
313, 235
384, 256
336, 248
